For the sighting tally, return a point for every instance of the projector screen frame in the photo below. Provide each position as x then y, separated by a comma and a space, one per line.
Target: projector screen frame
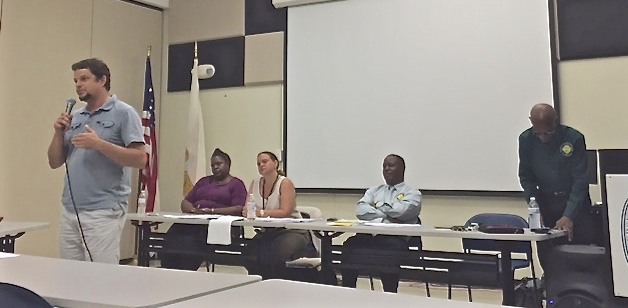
554, 60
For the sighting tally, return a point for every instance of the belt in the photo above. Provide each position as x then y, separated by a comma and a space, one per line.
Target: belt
555, 193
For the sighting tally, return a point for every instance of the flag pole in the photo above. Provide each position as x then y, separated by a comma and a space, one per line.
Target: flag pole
195, 161
139, 171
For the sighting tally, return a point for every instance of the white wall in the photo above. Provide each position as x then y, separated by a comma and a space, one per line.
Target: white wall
594, 99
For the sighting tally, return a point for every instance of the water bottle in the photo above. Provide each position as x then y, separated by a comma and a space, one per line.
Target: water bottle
251, 207
141, 201
534, 214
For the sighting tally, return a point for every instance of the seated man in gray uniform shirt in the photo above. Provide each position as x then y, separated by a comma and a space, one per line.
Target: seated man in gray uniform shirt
393, 202
99, 144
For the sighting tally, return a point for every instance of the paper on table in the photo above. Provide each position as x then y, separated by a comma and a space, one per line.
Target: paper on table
194, 216
391, 225
344, 222
219, 230
4, 255
286, 219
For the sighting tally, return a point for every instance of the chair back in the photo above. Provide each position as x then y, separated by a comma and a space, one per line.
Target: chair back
314, 213
493, 219
18, 297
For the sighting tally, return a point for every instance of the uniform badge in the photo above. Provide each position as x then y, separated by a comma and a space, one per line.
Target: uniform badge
400, 197
566, 149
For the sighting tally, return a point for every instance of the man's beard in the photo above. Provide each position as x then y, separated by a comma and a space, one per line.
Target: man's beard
85, 97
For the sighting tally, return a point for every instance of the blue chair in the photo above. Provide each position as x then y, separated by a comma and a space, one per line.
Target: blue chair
18, 297
492, 219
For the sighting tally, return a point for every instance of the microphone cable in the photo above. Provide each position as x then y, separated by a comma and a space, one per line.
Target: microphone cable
67, 174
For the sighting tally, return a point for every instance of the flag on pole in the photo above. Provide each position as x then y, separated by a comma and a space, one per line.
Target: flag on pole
149, 174
195, 161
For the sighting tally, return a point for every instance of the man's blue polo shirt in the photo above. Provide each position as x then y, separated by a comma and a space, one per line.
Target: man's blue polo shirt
97, 181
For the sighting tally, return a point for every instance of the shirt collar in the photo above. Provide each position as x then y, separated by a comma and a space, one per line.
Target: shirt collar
557, 138
105, 107
394, 187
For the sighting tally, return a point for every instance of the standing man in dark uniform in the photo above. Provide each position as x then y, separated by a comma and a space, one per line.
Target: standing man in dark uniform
552, 168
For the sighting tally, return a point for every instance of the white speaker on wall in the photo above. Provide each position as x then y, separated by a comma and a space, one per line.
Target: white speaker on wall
288, 3
206, 71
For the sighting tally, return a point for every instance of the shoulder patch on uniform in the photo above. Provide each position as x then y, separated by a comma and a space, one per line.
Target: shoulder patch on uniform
566, 149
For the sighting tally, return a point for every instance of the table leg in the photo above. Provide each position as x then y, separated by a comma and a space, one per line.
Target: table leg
144, 231
327, 274
507, 277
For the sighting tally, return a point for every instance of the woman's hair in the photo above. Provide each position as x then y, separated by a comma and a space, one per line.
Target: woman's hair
223, 155
273, 157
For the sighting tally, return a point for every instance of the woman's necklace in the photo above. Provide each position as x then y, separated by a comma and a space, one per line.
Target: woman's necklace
265, 199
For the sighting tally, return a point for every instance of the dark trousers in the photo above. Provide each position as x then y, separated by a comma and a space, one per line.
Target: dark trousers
584, 230
186, 240
354, 253
275, 247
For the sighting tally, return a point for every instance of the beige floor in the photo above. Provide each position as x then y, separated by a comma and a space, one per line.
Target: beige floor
493, 297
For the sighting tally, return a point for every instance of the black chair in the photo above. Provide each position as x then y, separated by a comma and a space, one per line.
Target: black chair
210, 266
492, 219
18, 297
372, 265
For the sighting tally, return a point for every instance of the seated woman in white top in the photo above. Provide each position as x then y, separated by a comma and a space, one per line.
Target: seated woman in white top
275, 196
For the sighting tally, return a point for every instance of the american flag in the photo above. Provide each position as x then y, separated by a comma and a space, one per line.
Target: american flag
149, 173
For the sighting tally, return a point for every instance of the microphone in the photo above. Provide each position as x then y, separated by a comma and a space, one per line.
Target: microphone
69, 105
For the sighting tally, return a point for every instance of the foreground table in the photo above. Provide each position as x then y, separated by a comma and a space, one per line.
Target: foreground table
68, 283
282, 293
10, 231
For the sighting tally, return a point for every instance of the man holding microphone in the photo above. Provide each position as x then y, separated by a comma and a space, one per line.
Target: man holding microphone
98, 144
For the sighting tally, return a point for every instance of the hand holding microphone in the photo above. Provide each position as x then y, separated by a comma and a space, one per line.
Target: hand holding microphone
62, 123
69, 105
